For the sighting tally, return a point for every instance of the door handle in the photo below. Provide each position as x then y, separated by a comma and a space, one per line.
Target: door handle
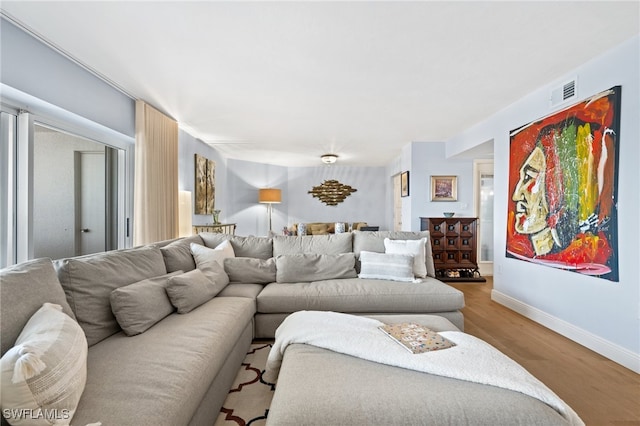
84, 230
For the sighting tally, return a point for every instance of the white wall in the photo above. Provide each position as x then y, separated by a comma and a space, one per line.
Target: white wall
598, 313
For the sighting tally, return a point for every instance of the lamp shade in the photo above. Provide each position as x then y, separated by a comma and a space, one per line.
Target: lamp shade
269, 195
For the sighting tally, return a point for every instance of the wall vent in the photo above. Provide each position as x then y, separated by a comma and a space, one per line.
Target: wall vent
564, 92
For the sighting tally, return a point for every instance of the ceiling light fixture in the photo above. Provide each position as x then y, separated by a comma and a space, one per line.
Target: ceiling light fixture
329, 158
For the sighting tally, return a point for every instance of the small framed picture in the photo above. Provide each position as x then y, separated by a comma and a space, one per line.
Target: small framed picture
404, 184
444, 188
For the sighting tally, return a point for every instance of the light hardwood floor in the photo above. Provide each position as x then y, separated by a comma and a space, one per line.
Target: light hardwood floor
599, 390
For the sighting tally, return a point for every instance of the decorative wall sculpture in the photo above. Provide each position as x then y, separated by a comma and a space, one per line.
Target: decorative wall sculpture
331, 192
563, 174
205, 185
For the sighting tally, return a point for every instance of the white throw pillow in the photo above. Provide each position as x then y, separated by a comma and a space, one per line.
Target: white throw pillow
205, 255
416, 248
44, 374
386, 266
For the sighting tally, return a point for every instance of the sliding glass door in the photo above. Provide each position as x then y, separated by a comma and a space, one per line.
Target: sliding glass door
72, 195
8, 143
63, 192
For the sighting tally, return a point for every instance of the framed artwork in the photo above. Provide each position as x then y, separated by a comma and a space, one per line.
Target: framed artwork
404, 184
563, 182
444, 188
205, 193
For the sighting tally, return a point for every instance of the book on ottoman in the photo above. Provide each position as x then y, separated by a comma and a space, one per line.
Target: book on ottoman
416, 338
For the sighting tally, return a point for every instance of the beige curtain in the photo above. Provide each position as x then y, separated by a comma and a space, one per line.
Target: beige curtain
155, 206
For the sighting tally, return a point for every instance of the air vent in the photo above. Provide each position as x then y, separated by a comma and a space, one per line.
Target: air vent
565, 92
569, 90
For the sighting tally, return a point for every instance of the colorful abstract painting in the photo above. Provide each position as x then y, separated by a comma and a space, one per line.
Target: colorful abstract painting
562, 209
205, 185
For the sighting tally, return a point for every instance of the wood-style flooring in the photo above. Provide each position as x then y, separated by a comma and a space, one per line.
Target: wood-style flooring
601, 391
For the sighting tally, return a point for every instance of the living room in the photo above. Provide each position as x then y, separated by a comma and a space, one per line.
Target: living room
600, 314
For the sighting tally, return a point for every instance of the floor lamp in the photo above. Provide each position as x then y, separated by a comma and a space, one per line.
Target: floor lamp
269, 196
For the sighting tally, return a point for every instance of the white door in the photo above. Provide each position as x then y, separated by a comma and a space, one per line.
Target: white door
90, 202
484, 189
397, 204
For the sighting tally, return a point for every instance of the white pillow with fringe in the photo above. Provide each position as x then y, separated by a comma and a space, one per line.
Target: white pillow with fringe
44, 374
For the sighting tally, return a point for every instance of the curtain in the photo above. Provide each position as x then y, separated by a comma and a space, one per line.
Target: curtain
155, 206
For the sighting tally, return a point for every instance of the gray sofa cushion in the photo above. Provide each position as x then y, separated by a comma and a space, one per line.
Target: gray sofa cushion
374, 241
140, 305
25, 287
160, 377
353, 295
212, 239
250, 291
191, 289
250, 270
89, 280
301, 267
258, 247
318, 244
177, 254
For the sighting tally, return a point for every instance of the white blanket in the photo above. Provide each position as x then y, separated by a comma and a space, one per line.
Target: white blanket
471, 359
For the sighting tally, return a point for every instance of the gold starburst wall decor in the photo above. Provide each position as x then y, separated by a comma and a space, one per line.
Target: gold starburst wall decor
332, 192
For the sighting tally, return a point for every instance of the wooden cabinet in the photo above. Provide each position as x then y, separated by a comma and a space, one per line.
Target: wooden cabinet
453, 242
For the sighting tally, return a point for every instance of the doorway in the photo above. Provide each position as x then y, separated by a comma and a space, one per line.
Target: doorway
483, 195
71, 195
397, 204
89, 200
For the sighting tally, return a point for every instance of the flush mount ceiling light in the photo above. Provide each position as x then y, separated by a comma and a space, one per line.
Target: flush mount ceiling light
329, 158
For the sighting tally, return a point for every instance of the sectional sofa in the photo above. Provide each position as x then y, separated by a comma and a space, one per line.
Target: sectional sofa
156, 334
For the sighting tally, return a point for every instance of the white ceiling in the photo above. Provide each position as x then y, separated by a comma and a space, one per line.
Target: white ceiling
284, 82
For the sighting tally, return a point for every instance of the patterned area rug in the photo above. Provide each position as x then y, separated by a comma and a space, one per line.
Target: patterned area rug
250, 397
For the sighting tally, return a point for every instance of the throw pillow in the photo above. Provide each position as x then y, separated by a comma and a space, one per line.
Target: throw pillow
25, 287
250, 270
416, 248
190, 290
46, 371
177, 254
307, 267
140, 305
204, 256
386, 266
211, 262
258, 247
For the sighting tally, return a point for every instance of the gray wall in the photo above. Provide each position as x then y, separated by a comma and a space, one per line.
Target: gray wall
32, 67
244, 178
188, 147
367, 204
600, 314
429, 159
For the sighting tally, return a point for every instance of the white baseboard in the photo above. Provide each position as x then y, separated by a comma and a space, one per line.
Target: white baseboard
597, 344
